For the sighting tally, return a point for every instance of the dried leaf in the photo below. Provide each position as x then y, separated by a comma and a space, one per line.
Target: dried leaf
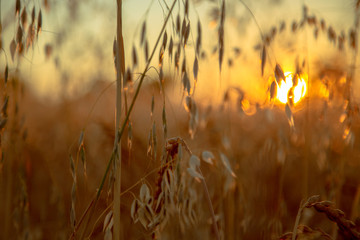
226, 163
263, 60
207, 157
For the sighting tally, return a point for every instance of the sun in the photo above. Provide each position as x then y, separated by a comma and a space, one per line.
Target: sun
286, 91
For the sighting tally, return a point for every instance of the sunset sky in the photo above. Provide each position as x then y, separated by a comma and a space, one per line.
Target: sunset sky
82, 34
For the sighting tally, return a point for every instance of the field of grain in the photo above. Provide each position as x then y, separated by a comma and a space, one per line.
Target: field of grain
161, 154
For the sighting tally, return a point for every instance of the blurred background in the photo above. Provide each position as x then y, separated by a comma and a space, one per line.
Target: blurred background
75, 47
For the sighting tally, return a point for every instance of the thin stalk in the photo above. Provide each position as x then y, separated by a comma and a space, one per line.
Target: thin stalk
120, 133
120, 69
208, 199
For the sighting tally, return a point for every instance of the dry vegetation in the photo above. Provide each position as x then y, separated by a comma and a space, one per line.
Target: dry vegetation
189, 170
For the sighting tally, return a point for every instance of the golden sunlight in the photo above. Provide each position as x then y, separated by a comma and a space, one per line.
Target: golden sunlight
286, 89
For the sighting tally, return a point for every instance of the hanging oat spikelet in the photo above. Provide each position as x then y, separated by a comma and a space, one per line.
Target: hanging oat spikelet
146, 50
171, 45
178, 24
134, 57
208, 157
187, 33
17, 7
294, 26
6, 73
186, 8
279, 73
263, 60
24, 17
221, 34
196, 68
186, 83
353, 41
143, 33
12, 49
39, 25
19, 35
273, 90
164, 40
33, 15
198, 41
227, 165
108, 225
194, 163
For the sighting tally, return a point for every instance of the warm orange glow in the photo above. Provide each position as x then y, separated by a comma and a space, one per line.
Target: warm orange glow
286, 88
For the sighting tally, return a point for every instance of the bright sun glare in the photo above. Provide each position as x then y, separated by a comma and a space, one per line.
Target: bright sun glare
286, 90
